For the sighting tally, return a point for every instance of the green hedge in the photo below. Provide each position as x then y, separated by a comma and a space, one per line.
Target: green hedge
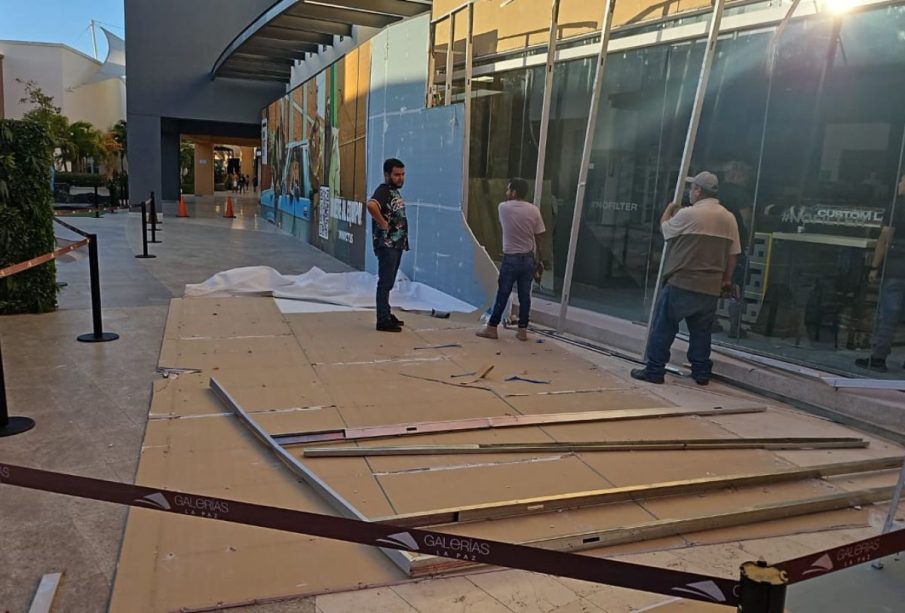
26, 217
79, 179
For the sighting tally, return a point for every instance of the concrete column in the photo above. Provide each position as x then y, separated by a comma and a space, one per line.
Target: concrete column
204, 169
144, 156
247, 165
169, 160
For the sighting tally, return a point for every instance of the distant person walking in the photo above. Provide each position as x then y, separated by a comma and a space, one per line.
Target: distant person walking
702, 246
389, 227
254, 183
523, 234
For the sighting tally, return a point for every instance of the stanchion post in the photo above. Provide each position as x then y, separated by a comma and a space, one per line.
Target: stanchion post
153, 219
144, 233
762, 589
97, 207
10, 425
97, 335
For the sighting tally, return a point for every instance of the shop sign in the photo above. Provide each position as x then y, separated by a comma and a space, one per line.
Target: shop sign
833, 216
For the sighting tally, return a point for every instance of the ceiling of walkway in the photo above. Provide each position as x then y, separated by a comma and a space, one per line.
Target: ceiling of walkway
289, 29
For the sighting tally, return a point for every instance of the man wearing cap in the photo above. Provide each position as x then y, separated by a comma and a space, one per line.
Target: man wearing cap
702, 246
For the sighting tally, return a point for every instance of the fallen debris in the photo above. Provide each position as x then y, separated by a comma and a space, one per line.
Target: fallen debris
576, 447
502, 421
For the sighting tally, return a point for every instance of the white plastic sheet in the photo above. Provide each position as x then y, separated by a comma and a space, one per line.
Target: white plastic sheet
351, 289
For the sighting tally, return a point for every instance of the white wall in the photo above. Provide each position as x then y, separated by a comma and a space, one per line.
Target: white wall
59, 70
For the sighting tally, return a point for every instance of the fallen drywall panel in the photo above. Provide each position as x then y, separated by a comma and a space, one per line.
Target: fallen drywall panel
474, 481
203, 318
579, 400
294, 307
169, 562
350, 338
376, 394
627, 468
227, 353
185, 563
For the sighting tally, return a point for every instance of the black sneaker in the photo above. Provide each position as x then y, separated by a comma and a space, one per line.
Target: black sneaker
702, 380
642, 374
396, 320
388, 326
872, 364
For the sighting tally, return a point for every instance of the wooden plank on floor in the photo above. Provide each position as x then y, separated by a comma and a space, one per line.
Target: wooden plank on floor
424, 565
578, 500
592, 446
502, 421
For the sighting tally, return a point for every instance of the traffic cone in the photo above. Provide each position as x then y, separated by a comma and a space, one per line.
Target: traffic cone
228, 213
183, 212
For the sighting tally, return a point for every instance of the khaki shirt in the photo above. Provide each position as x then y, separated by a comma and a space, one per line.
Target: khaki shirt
699, 241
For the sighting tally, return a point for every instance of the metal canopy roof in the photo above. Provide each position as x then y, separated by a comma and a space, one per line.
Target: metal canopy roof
289, 29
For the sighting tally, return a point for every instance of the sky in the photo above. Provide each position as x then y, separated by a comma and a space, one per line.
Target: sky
61, 21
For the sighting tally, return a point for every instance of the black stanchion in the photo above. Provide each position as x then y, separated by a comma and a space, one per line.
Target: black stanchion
97, 206
10, 425
144, 233
762, 589
97, 335
153, 219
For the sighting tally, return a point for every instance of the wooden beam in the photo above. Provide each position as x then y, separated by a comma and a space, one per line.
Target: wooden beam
424, 565
631, 493
298, 468
503, 421
591, 446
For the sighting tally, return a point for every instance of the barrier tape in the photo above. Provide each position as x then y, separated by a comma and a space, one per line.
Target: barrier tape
41, 259
831, 560
495, 553
71, 227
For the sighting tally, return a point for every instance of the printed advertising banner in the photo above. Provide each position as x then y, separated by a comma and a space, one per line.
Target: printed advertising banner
314, 141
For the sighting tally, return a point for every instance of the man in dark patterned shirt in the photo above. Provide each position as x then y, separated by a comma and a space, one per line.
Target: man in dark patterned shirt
391, 237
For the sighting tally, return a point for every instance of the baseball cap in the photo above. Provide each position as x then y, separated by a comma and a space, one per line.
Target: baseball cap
705, 180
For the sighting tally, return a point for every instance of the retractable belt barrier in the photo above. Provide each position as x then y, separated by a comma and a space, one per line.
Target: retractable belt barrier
845, 556
495, 553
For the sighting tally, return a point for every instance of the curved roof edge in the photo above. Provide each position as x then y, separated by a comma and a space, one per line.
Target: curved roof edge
290, 29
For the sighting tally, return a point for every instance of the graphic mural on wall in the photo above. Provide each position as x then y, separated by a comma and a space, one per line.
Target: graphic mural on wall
314, 185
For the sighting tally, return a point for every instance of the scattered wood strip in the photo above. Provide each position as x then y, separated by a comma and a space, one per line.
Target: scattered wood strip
502, 421
591, 498
591, 446
46, 592
424, 565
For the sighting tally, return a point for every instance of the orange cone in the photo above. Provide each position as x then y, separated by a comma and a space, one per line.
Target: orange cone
183, 212
229, 208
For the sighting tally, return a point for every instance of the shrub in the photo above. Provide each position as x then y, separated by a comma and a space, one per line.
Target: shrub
26, 217
79, 179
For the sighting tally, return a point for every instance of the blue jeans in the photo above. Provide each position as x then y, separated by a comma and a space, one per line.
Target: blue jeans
698, 310
517, 269
388, 259
892, 307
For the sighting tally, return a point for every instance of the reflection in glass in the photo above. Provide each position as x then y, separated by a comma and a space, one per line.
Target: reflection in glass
809, 159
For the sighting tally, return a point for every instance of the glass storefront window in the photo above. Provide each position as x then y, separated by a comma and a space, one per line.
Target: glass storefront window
831, 134
645, 108
506, 117
809, 158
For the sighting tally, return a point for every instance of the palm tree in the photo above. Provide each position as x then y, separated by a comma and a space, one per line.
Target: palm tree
86, 142
120, 134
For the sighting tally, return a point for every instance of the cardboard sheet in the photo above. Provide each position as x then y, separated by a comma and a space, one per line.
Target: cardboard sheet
316, 371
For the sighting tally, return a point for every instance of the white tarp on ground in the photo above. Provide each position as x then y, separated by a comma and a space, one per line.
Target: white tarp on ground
351, 289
